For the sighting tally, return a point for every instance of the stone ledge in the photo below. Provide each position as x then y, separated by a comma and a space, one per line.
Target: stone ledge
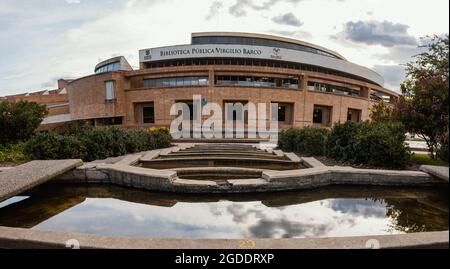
312, 162
167, 180
151, 155
293, 157
279, 153
440, 172
19, 238
29, 175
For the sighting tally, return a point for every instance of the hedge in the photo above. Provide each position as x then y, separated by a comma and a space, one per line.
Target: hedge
371, 143
380, 144
95, 143
308, 141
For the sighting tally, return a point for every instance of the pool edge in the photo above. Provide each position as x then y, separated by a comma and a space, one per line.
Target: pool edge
19, 238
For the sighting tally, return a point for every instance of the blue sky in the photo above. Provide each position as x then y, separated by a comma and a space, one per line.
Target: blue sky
44, 40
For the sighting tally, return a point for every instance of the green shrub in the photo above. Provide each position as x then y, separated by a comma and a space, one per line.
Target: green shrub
49, 146
340, 142
95, 143
12, 153
307, 141
137, 140
159, 138
379, 144
286, 139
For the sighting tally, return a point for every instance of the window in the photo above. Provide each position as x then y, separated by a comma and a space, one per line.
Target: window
351, 90
354, 115
322, 115
176, 82
108, 68
110, 90
108, 121
148, 114
317, 118
282, 113
236, 113
250, 81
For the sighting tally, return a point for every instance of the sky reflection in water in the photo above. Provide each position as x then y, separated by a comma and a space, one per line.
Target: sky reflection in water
224, 219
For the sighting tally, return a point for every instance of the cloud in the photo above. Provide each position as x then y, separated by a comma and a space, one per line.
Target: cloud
287, 19
239, 9
400, 54
383, 33
288, 229
214, 9
393, 75
365, 208
73, 2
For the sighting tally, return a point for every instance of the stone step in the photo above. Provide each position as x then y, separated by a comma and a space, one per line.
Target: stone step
214, 155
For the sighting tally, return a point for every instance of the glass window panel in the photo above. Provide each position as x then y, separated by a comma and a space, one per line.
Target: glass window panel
148, 115
203, 82
110, 90
172, 82
194, 81
179, 82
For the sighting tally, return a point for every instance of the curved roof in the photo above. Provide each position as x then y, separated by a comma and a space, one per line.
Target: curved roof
268, 37
122, 63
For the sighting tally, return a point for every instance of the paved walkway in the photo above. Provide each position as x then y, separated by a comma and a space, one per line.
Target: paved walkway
26, 176
440, 172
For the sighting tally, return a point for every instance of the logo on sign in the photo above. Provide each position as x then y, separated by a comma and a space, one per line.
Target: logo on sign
276, 54
148, 55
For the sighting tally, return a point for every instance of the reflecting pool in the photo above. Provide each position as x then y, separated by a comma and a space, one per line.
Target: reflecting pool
327, 212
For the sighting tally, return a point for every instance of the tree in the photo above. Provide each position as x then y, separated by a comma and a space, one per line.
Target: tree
381, 112
424, 106
19, 120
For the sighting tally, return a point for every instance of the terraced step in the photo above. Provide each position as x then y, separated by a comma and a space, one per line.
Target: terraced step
220, 154
257, 163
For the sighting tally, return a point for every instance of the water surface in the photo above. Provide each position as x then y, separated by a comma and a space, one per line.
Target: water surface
327, 212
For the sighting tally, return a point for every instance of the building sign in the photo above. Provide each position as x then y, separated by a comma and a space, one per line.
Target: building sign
200, 51
256, 52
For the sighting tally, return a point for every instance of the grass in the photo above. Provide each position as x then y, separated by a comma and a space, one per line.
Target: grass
425, 159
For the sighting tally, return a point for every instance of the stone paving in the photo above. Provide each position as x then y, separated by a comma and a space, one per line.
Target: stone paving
26, 176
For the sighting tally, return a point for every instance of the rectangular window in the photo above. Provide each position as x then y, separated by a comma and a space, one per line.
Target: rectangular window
282, 113
176, 82
148, 114
354, 115
110, 90
250, 81
322, 115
